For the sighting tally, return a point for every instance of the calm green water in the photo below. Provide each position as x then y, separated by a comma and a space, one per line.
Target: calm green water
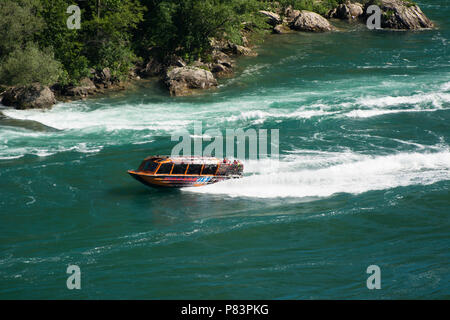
364, 179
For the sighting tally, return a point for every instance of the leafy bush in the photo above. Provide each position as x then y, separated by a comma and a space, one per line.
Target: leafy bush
320, 7
186, 27
25, 66
19, 22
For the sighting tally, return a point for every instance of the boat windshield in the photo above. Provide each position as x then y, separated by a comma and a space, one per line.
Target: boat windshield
194, 169
179, 168
150, 166
165, 168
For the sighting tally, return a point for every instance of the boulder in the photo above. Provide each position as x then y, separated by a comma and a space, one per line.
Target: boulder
403, 15
183, 80
242, 51
347, 11
85, 87
103, 78
152, 68
290, 15
35, 96
222, 65
105, 75
220, 45
272, 18
312, 22
220, 69
281, 28
245, 41
228, 47
222, 58
174, 61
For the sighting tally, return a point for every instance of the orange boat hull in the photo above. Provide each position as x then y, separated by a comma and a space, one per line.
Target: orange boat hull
176, 181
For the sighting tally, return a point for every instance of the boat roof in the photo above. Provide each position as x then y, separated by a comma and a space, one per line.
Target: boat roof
185, 159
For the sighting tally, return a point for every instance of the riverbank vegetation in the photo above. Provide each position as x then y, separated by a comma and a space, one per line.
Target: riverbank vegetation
36, 44
53, 50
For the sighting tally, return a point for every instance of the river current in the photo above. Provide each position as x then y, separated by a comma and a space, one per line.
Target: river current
363, 179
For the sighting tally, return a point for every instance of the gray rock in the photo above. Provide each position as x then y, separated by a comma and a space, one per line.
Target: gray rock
231, 48
218, 68
103, 78
152, 68
183, 80
272, 18
85, 88
281, 28
245, 41
312, 22
105, 75
26, 124
222, 58
174, 61
398, 14
347, 11
290, 15
242, 51
35, 96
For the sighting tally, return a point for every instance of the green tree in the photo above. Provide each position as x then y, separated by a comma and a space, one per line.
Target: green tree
107, 31
19, 23
67, 44
28, 65
184, 27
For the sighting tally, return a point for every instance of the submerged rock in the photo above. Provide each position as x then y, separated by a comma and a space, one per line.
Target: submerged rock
401, 14
26, 124
35, 96
183, 80
310, 21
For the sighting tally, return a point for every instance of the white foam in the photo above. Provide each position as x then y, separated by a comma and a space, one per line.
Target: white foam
355, 174
127, 117
435, 98
10, 157
379, 112
79, 120
446, 86
260, 116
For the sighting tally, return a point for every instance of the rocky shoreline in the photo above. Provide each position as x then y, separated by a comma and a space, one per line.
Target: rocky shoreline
182, 79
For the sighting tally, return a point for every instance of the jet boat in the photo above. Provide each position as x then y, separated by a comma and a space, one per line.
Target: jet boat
192, 171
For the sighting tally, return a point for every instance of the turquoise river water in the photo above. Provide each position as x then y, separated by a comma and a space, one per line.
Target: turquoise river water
363, 179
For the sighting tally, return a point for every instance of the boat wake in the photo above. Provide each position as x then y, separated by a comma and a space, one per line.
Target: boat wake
345, 173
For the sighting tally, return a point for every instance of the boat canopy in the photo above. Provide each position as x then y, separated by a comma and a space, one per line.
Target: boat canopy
193, 165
